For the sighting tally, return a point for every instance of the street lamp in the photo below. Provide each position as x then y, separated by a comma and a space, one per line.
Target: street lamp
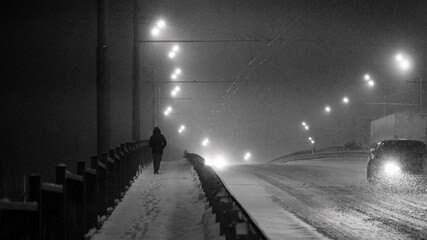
155, 31
371, 83
403, 62
247, 156
181, 129
327, 109
367, 77
306, 127
205, 142
345, 100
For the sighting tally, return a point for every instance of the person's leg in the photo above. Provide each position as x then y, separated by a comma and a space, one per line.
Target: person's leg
159, 161
156, 162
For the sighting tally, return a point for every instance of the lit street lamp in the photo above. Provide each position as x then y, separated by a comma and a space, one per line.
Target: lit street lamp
327, 109
205, 142
345, 100
247, 156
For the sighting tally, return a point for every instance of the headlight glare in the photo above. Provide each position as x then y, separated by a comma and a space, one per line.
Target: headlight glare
391, 168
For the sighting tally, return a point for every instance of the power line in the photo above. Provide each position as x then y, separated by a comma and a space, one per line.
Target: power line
282, 39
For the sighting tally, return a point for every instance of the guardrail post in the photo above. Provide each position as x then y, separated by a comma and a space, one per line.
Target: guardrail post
34, 195
60, 180
115, 183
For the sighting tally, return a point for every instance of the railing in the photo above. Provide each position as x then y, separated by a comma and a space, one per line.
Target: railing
235, 222
75, 203
329, 152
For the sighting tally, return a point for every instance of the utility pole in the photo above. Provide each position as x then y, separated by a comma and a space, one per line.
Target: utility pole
136, 105
102, 81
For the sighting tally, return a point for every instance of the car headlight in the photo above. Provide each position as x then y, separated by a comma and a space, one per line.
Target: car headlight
392, 168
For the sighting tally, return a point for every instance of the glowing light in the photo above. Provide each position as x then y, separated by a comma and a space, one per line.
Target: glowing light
166, 113
312, 141
371, 83
178, 71
174, 76
247, 156
367, 77
327, 109
175, 48
155, 31
391, 168
161, 24
181, 128
169, 109
405, 64
306, 127
345, 100
303, 123
173, 93
309, 138
172, 55
205, 142
219, 162
177, 88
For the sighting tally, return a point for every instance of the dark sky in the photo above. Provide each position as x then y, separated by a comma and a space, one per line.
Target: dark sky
320, 52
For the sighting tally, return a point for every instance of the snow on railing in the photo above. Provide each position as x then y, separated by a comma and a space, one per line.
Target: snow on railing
76, 203
337, 151
235, 222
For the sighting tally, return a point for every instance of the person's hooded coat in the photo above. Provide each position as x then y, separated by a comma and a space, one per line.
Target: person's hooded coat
157, 141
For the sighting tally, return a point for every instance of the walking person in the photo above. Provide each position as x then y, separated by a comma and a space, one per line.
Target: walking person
157, 144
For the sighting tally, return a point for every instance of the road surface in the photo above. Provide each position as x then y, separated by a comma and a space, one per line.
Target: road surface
334, 198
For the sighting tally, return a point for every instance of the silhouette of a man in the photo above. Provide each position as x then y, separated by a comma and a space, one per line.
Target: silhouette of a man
157, 144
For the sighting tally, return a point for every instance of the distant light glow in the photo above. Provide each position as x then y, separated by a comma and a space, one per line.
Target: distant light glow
205, 142
178, 71
306, 127
219, 162
166, 113
175, 48
371, 83
312, 141
303, 123
161, 24
172, 55
367, 77
181, 128
247, 156
310, 138
345, 100
155, 31
169, 108
173, 93
403, 62
174, 76
177, 88
327, 109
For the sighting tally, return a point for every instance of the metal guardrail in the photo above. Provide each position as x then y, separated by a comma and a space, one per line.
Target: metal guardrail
330, 152
235, 222
70, 207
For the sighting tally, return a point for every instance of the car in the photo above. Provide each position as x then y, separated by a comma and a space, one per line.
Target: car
397, 162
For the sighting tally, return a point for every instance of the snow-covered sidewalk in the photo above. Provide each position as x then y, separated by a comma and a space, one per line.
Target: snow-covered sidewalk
170, 205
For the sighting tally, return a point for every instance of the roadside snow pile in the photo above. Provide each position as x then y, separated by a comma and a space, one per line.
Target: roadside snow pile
170, 205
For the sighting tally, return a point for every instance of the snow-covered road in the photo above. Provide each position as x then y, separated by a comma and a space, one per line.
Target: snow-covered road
333, 197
